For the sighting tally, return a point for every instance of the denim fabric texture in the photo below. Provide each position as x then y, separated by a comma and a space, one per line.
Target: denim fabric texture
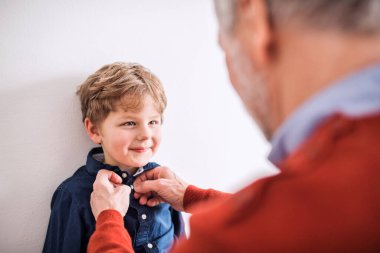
72, 222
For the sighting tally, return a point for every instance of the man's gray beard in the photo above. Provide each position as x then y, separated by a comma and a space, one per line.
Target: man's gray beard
252, 92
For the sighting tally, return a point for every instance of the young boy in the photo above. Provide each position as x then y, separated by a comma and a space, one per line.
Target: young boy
122, 107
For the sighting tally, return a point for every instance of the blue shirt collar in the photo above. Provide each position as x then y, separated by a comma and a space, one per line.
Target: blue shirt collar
356, 95
94, 164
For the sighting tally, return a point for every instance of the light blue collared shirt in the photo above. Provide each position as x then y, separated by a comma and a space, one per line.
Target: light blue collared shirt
356, 95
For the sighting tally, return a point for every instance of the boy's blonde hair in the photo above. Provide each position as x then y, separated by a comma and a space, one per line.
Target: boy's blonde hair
119, 84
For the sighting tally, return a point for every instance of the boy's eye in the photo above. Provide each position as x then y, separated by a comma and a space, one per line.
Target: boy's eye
154, 122
129, 123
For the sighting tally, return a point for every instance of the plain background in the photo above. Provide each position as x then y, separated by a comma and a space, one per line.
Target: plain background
47, 48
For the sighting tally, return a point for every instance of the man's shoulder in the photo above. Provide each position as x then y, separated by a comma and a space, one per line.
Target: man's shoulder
334, 173
341, 139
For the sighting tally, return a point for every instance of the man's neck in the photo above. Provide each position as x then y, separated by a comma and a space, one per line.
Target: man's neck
312, 61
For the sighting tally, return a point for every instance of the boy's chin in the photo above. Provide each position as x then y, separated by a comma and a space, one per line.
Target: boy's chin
140, 163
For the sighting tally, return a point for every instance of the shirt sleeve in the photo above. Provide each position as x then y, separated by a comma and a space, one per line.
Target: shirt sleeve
65, 230
110, 234
195, 195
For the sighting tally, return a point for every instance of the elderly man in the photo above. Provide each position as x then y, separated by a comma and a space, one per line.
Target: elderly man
308, 72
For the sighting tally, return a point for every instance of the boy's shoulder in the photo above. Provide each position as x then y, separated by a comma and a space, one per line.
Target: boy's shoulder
78, 185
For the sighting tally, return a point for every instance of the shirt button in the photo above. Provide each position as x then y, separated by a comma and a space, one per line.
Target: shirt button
143, 216
124, 175
150, 245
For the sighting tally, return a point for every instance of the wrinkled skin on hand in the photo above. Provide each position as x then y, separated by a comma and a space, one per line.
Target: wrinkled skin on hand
160, 185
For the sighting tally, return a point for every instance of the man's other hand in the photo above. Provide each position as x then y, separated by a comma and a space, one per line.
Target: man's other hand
160, 185
109, 193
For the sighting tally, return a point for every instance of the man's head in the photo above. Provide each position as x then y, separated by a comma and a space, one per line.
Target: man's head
122, 106
281, 52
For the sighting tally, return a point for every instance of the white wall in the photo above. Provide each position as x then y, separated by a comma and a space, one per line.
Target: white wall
47, 48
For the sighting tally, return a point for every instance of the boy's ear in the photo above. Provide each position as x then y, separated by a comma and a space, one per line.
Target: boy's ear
92, 131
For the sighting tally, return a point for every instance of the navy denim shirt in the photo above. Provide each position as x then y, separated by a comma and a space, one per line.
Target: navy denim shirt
72, 222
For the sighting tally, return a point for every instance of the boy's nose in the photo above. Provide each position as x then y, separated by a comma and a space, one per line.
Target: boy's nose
144, 133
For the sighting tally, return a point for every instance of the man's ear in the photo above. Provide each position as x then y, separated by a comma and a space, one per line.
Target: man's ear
255, 31
93, 131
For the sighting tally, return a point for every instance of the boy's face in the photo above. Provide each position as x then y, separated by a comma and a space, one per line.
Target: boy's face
129, 139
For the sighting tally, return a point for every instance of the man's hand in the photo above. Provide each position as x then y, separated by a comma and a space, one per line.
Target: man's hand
160, 185
109, 193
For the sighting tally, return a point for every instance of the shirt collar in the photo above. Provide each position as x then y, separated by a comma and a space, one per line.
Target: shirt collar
356, 95
95, 163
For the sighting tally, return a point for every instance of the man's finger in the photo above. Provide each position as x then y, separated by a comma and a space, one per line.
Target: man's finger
145, 197
142, 177
111, 176
137, 195
153, 174
148, 186
153, 202
143, 200
125, 189
106, 178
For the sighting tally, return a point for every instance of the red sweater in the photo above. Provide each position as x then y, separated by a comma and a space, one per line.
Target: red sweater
326, 199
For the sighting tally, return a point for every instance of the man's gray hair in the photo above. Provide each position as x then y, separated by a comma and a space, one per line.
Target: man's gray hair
352, 16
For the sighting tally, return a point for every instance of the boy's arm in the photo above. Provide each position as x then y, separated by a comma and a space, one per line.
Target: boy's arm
65, 230
110, 234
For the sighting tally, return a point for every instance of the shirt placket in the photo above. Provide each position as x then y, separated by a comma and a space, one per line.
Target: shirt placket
144, 216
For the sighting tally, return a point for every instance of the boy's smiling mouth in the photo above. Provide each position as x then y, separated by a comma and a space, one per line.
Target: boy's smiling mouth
139, 149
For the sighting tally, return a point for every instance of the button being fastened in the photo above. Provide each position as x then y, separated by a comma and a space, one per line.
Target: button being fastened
124, 175
143, 216
149, 245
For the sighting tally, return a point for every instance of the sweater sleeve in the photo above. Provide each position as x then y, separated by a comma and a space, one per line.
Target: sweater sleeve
195, 195
110, 234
